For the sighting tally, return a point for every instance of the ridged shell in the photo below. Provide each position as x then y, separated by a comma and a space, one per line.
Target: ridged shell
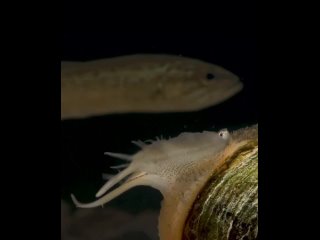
227, 206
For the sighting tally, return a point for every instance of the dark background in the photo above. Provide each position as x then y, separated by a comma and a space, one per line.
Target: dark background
84, 141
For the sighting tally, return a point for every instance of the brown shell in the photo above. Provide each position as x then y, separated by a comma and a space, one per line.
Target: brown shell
227, 206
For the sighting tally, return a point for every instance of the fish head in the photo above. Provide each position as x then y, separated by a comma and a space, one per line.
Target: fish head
208, 84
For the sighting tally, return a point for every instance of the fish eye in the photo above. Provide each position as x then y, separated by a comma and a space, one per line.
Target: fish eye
224, 134
210, 76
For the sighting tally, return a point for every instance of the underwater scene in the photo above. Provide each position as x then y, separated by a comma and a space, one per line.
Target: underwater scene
159, 136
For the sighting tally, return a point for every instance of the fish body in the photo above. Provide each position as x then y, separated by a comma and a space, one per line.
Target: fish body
143, 83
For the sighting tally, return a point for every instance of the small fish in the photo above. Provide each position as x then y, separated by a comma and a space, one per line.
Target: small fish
143, 83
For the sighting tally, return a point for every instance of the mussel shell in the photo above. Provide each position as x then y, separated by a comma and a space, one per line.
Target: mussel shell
227, 207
